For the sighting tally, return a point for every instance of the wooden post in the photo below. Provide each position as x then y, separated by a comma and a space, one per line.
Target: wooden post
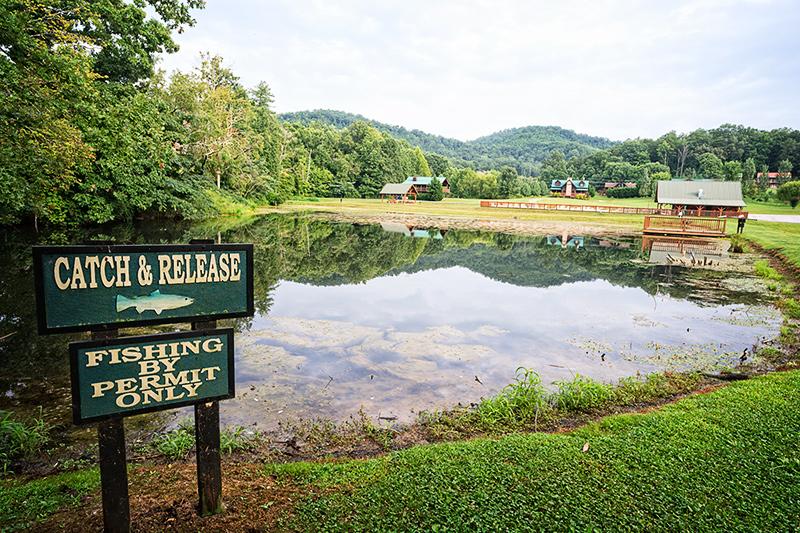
206, 438
207, 444
113, 467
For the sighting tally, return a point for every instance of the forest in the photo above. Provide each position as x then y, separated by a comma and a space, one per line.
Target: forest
92, 132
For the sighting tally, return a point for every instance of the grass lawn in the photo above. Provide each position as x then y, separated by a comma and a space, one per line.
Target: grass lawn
775, 236
469, 207
728, 460
22, 504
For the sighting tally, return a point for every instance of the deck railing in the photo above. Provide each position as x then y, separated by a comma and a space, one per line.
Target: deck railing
611, 209
685, 225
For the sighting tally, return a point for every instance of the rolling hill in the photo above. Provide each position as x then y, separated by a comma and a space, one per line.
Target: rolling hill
523, 148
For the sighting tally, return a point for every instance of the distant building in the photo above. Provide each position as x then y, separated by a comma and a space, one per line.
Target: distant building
774, 179
614, 185
699, 196
568, 188
422, 183
399, 192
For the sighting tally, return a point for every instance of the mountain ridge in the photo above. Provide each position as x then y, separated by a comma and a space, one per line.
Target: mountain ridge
522, 147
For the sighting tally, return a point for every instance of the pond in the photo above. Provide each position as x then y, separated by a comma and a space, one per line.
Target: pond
392, 319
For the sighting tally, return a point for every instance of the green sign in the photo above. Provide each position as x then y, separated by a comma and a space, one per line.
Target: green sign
132, 375
81, 288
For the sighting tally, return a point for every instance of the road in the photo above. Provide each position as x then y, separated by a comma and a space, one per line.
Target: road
790, 219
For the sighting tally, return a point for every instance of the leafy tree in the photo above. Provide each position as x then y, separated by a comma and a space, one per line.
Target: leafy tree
710, 166
439, 165
732, 171
45, 75
749, 176
763, 181
790, 192
785, 171
126, 36
507, 182
435, 191
421, 164
554, 167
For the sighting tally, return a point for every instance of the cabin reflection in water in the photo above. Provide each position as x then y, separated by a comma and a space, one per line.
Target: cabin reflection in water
410, 230
684, 252
579, 241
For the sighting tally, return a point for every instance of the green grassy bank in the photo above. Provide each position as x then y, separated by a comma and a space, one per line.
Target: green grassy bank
728, 460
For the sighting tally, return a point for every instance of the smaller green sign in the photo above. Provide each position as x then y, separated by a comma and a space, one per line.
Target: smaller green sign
132, 375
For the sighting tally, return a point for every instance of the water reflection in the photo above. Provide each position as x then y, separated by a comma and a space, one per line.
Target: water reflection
396, 318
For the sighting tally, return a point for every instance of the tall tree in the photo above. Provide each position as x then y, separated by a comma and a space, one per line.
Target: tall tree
554, 167
710, 166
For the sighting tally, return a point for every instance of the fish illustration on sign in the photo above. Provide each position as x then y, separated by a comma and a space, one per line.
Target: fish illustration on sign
155, 301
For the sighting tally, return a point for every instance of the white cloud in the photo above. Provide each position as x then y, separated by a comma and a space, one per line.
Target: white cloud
618, 68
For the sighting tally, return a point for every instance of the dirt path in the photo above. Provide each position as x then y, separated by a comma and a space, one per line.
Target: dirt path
513, 226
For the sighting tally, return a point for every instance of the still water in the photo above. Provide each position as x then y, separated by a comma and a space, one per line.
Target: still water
393, 320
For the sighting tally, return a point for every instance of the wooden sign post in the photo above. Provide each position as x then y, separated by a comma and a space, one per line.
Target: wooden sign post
101, 288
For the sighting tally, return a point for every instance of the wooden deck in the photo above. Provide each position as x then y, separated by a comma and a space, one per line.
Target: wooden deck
588, 208
685, 226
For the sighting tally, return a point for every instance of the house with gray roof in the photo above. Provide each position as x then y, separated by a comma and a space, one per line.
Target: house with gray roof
700, 195
399, 192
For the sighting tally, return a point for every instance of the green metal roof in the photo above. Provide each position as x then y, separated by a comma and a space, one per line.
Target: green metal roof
423, 180
579, 185
700, 192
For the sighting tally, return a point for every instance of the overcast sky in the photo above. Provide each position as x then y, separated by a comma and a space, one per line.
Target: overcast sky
466, 68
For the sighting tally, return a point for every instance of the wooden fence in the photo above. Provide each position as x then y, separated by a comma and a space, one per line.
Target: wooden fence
695, 226
611, 209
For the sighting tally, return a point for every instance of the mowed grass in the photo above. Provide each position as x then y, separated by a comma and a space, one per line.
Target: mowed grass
470, 208
727, 460
24, 504
784, 238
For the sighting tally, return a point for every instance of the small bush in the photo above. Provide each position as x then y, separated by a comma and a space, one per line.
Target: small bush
177, 443
21, 439
581, 196
738, 245
791, 308
524, 400
623, 192
273, 198
763, 270
581, 394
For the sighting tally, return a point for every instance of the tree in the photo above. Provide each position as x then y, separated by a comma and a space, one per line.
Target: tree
421, 167
710, 166
784, 171
732, 171
749, 176
790, 192
125, 37
507, 182
439, 165
763, 181
435, 191
46, 77
554, 167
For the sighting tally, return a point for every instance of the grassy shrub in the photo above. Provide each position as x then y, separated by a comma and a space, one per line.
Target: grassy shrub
177, 444
522, 401
791, 308
765, 271
21, 439
581, 394
738, 244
